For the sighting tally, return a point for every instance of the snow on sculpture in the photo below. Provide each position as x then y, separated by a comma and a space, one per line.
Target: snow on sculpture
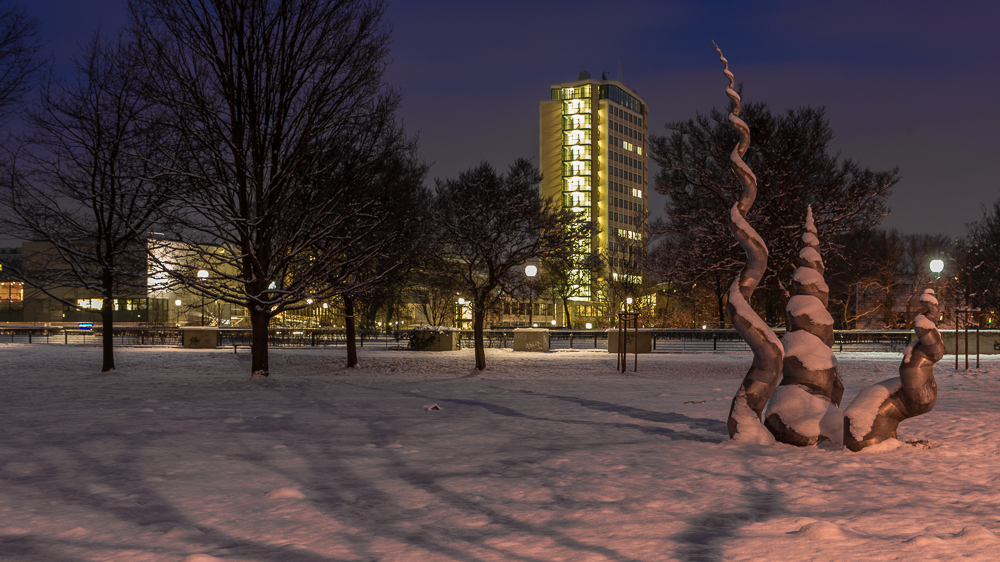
875, 413
748, 404
805, 407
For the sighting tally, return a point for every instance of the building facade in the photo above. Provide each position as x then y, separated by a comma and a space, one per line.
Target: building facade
593, 158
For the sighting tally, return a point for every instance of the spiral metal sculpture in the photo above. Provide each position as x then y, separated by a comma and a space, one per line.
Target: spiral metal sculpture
874, 415
748, 404
804, 407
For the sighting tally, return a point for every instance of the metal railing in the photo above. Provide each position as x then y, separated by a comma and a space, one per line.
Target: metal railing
662, 340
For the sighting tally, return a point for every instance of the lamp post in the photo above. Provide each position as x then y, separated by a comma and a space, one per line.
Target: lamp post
461, 310
628, 304
530, 271
202, 274
937, 266
177, 312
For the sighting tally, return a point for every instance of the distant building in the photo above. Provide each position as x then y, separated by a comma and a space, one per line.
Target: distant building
593, 158
11, 290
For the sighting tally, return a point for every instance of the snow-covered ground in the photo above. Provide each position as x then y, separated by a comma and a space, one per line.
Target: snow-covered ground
542, 457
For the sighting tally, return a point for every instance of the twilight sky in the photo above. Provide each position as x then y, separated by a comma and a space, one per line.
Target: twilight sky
911, 83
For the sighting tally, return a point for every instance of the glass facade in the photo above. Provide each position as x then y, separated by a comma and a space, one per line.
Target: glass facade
578, 123
601, 153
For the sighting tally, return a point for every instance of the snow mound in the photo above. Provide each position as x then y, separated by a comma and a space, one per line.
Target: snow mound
929, 297
750, 430
200, 558
823, 530
182, 531
811, 307
925, 540
975, 533
864, 408
809, 276
805, 413
430, 407
883, 447
284, 493
808, 349
810, 238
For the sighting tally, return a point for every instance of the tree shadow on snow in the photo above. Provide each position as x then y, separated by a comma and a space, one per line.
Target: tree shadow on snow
706, 424
75, 470
384, 515
706, 534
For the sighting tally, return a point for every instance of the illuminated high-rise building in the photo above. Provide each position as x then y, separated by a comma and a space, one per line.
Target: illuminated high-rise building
592, 155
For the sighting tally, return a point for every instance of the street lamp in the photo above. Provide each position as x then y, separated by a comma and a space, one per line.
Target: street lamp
937, 266
177, 311
628, 304
202, 274
461, 308
530, 271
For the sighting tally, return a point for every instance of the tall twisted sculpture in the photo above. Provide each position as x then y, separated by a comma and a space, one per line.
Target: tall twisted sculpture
805, 407
875, 413
748, 404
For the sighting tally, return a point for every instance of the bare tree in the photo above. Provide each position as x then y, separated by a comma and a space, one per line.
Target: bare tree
396, 225
626, 275
78, 191
263, 95
491, 225
571, 278
19, 60
434, 294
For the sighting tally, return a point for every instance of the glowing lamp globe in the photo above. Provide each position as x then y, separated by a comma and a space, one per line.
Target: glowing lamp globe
937, 266
530, 270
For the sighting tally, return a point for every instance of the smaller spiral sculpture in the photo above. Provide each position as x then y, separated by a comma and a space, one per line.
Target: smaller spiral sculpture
874, 415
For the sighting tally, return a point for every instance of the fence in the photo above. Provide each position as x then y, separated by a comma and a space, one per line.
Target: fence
663, 340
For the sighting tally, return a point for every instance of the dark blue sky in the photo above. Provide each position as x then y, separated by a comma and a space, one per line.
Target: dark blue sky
909, 83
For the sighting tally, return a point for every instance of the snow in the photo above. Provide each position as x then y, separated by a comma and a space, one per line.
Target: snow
744, 311
750, 430
864, 408
809, 276
810, 306
922, 321
543, 456
806, 413
809, 350
810, 239
810, 255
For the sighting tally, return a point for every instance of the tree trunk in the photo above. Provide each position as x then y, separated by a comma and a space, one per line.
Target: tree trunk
108, 335
567, 321
720, 301
352, 347
259, 320
477, 327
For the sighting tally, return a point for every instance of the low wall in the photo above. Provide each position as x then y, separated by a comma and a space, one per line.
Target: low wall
434, 340
989, 342
200, 338
531, 339
635, 341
